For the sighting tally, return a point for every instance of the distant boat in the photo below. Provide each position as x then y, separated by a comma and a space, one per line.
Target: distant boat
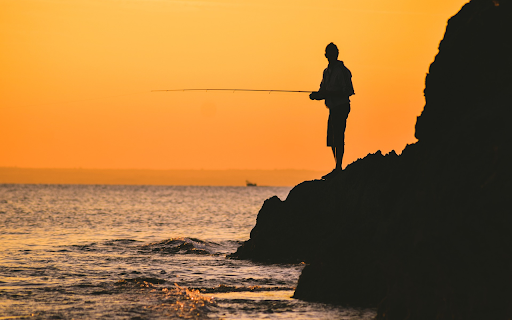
250, 184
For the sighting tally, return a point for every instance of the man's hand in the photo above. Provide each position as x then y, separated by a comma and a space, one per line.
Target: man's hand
315, 96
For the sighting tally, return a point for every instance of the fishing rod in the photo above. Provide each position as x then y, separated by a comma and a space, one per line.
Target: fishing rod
233, 90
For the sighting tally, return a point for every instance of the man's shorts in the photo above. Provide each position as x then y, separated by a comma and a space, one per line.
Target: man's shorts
336, 125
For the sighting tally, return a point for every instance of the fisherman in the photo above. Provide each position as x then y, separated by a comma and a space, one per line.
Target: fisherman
335, 89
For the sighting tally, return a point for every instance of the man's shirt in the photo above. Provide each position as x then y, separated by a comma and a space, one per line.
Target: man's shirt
337, 78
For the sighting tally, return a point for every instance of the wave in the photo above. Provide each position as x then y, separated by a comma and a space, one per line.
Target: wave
225, 288
179, 245
182, 246
142, 281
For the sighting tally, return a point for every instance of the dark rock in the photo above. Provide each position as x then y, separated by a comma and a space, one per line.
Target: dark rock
427, 234
473, 64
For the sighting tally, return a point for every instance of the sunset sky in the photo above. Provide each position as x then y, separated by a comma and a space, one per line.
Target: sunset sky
76, 79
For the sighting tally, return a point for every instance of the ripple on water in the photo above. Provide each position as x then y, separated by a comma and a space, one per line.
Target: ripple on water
141, 252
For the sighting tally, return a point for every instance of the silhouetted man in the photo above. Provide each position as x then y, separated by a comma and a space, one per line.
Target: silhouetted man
335, 89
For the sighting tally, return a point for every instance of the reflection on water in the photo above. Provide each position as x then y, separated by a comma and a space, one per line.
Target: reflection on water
146, 252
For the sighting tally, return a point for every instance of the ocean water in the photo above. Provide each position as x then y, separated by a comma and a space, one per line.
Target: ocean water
142, 252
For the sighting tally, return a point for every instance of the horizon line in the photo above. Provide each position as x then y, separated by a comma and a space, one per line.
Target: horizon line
148, 169
190, 177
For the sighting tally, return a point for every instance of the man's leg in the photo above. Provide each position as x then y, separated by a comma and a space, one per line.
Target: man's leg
340, 137
337, 152
338, 155
333, 172
336, 134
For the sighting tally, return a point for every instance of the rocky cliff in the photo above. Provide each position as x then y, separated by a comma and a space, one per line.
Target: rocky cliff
426, 234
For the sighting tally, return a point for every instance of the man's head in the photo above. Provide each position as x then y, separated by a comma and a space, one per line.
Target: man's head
331, 52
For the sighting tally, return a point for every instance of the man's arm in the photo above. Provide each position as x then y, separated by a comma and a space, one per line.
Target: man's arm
322, 94
315, 95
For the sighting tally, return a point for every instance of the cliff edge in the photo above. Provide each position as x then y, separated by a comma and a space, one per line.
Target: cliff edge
426, 234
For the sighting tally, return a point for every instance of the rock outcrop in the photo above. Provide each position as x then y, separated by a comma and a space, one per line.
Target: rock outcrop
426, 234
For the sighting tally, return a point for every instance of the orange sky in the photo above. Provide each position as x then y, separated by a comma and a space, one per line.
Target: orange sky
76, 76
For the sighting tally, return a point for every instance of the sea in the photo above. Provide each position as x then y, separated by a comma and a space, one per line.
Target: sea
142, 252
